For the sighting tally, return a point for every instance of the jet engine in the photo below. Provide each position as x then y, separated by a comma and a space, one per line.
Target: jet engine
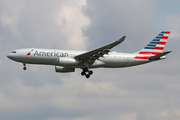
64, 69
64, 61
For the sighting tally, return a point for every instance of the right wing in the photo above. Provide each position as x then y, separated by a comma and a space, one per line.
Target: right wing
91, 56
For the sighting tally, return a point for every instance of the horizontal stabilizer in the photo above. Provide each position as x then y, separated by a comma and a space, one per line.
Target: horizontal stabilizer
158, 56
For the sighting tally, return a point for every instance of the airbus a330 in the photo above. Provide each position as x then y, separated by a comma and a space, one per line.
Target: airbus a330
67, 60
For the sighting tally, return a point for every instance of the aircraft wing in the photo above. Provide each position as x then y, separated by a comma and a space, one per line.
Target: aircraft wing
91, 56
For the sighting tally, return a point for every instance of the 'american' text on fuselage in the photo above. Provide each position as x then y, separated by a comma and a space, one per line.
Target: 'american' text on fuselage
51, 54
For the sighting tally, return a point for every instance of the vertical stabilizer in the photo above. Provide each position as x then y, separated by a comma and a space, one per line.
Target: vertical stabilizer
156, 46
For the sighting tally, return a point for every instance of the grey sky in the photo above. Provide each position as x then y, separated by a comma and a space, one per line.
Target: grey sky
143, 92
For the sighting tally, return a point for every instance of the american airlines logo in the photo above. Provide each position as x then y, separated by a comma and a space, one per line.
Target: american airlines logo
30, 52
51, 54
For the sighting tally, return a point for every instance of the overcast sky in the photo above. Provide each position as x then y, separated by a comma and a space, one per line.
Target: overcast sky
146, 92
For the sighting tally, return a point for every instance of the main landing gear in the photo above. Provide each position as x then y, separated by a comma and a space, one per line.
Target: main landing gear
24, 68
86, 72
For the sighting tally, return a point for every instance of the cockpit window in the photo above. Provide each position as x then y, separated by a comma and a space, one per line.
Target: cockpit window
13, 52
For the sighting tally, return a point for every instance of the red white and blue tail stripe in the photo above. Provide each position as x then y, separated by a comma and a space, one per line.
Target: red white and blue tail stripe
155, 47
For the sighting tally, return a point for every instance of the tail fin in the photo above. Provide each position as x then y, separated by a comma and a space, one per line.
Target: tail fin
156, 46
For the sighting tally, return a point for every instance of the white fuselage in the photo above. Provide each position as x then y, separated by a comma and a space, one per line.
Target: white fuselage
68, 60
52, 57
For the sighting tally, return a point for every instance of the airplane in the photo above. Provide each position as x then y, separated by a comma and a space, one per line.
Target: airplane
67, 60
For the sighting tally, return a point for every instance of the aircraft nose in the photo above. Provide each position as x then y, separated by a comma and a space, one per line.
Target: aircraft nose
9, 56
14, 55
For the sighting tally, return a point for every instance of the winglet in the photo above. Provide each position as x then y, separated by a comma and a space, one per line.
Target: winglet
115, 43
121, 39
155, 57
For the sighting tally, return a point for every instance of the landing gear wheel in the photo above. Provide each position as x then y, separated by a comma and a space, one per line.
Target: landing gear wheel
87, 76
90, 72
83, 73
86, 72
85, 69
24, 68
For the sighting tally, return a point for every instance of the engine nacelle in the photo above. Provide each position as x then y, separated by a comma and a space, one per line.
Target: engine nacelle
64, 69
64, 61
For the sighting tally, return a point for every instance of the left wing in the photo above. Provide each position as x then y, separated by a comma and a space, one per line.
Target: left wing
91, 56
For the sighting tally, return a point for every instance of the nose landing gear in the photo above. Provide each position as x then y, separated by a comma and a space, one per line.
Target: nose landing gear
86, 72
24, 68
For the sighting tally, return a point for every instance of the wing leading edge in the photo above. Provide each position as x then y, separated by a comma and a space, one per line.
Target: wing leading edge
91, 56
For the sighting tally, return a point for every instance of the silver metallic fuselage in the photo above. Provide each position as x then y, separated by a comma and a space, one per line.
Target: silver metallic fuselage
52, 56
